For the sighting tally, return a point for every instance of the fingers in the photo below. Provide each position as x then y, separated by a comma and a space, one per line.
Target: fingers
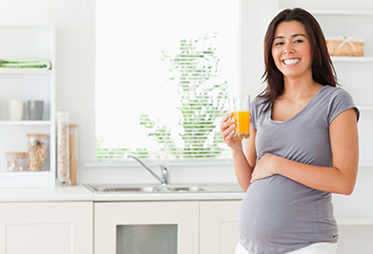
225, 122
226, 129
226, 117
227, 125
228, 133
252, 177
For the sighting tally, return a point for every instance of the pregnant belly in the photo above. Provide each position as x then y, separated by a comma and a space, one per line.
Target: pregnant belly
277, 208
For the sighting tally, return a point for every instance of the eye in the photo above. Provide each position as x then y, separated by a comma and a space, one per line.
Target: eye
279, 43
298, 41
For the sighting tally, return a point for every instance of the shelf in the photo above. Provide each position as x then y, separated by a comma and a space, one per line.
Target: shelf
24, 71
23, 173
25, 123
28, 25
34, 42
341, 12
366, 165
352, 59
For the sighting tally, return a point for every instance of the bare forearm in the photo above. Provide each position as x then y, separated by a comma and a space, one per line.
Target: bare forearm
330, 179
242, 169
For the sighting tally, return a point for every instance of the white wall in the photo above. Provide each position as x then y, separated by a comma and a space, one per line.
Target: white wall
75, 88
356, 5
75, 85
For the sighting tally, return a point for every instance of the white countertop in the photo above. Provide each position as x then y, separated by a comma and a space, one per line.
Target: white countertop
57, 194
81, 193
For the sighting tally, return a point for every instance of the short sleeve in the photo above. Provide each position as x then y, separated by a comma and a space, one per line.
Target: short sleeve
340, 101
255, 109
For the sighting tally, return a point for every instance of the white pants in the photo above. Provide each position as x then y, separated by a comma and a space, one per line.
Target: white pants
316, 248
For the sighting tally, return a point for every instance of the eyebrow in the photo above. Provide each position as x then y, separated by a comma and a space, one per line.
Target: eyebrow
294, 35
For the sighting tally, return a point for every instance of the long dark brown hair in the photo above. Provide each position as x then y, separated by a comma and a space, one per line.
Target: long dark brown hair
323, 70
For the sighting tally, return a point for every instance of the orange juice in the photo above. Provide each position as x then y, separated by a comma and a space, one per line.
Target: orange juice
242, 123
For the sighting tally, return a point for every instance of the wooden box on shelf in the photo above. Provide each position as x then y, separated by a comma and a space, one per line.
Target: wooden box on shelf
345, 46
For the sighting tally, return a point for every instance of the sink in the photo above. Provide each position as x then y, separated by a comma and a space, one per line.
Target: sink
156, 188
108, 188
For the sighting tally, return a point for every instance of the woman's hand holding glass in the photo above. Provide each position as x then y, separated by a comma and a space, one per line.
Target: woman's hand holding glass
227, 131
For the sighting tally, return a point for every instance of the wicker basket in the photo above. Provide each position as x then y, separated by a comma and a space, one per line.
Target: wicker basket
345, 46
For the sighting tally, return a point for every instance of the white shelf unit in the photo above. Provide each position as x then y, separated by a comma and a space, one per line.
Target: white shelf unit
352, 59
27, 41
354, 73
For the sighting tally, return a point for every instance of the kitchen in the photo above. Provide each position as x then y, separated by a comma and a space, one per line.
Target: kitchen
74, 91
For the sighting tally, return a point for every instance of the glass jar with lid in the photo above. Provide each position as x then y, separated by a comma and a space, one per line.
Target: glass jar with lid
37, 156
15, 161
62, 149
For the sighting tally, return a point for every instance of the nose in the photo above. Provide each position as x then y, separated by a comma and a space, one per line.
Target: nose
288, 50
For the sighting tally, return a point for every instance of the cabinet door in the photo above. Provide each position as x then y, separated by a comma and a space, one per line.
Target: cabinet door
114, 221
58, 228
218, 227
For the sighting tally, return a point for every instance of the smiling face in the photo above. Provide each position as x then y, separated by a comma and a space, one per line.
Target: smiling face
291, 50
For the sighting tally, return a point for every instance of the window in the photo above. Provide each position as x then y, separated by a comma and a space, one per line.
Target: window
163, 72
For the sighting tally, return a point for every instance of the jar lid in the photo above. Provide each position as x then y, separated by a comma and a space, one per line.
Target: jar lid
73, 125
15, 154
37, 135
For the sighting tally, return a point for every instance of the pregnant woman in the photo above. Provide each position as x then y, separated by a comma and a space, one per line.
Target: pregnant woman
303, 145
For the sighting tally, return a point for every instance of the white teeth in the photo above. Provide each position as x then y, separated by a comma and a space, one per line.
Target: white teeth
291, 61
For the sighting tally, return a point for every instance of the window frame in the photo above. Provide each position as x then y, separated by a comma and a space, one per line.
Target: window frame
250, 36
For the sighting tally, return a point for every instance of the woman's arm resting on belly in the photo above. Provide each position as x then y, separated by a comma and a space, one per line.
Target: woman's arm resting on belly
340, 178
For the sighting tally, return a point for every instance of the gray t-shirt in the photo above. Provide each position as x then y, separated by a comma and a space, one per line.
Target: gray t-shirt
277, 214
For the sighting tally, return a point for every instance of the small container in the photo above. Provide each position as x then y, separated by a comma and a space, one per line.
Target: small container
35, 110
37, 156
63, 169
15, 161
73, 147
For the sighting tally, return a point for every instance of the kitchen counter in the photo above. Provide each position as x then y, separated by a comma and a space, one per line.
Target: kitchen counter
71, 193
81, 193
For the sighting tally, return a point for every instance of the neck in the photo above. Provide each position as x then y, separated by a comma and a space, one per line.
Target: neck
300, 87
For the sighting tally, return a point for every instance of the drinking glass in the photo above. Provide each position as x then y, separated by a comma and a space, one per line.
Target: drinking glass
35, 110
239, 105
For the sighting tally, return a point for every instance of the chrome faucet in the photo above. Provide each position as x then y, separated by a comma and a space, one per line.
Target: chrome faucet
165, 174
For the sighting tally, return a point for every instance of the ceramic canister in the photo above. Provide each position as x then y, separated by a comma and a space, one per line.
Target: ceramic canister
35, 110
16, 110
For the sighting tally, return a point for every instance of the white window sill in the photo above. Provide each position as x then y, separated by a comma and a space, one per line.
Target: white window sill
130, 163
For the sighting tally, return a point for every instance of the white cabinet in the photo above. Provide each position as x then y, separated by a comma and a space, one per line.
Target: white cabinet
27, 42
200, 226
58, 228
355, 239
132, 224
218, 226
